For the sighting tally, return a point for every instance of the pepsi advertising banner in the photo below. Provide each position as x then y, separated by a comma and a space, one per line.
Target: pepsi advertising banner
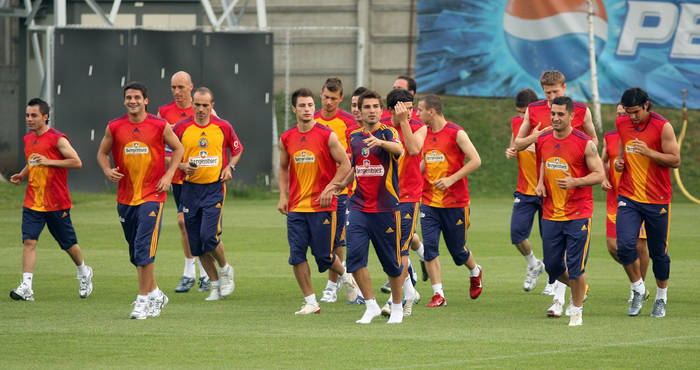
497, 47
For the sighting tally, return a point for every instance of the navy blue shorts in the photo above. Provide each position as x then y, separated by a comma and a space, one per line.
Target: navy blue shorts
315, 230
59, 223
381, 229
141, 226
409, 219
656, 218
177, 194
565, 247
341, 216
453, 223
524, 209
203, 206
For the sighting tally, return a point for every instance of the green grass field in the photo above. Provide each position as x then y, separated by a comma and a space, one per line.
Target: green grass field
256, 327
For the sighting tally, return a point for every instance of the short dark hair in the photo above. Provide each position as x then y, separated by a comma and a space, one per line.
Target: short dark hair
302, 92
369, 94
566, 101
396, 96
333, 84
43, 106
525, 97
204, 90
633, 97
359, 91
412, 86
432, 101
135, 85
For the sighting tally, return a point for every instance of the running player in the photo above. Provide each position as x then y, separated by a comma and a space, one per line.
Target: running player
180, 108
373, 213
647, 151
48, 155
611, 144
312, 164
569, 164
137, 142
339, 121
206, 140
445, 198
526, 203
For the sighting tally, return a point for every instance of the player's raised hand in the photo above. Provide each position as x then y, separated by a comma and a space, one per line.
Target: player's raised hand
41, 160
640, 147
372, 141
113, 174
536, 131
401, 111
567, 182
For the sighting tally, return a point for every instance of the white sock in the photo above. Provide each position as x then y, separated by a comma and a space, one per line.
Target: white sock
155, 293
311, 299
638, 286
531, 259
396, 316
27, 278
661, 293
475, 272
189, 268
331, 285
202, 271
559, 291
372, 310
215, 284
408, 290
576, 309
225, 267
420, 252
82, 269
437, 288
141, 297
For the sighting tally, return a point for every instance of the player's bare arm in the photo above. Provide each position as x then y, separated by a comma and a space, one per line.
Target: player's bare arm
620, 160
283, 180
71, 159
588, 127
511, 152
412, 140
173, 142
112, 174
473, 162
342, 170
389, 146
227, 173
19, 176
540, 189
593, 163
670, 155
605, 185
523, 140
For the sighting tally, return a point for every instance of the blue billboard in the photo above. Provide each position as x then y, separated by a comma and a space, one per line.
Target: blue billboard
497, 47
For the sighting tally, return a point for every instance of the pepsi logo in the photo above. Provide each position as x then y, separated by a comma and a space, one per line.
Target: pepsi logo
553, 34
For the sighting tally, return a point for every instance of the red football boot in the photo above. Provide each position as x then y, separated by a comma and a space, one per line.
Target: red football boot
437, 301
475, 284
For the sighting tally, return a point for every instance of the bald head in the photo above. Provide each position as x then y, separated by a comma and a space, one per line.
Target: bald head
181, 87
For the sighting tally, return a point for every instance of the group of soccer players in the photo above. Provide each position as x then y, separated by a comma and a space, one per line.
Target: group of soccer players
348, 179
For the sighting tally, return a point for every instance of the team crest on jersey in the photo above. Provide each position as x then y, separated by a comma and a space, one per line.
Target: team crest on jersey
369, 170
135, 148
365, 152
434, 156
203, 142
557, 164
304, 156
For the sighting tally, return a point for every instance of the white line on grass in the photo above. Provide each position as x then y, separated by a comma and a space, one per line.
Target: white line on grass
529, 354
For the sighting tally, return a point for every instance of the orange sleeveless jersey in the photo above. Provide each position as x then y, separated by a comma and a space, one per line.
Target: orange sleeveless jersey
311, 168
643, 180
174, 114
612, 142
139, 151
340, 124
442, 158
560, 156
47, 188
540, 112
527, 167
410, 177
207, 147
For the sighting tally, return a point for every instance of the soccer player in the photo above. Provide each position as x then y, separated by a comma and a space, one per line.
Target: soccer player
526, 203
647, 151
373, 213
49, 155
180, 108
569, 164
611, 144
206, 140
312, 164
412, 134
137, 142
445, 198
339, 121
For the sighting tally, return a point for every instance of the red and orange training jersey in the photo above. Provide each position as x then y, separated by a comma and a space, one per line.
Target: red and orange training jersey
340, 124
527, 167
376, 172
443, 157
47, 188
410, 177
311, 167
139, 152
643, 180
540, 112
206, 146
174, 114
561, 156
612, 142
